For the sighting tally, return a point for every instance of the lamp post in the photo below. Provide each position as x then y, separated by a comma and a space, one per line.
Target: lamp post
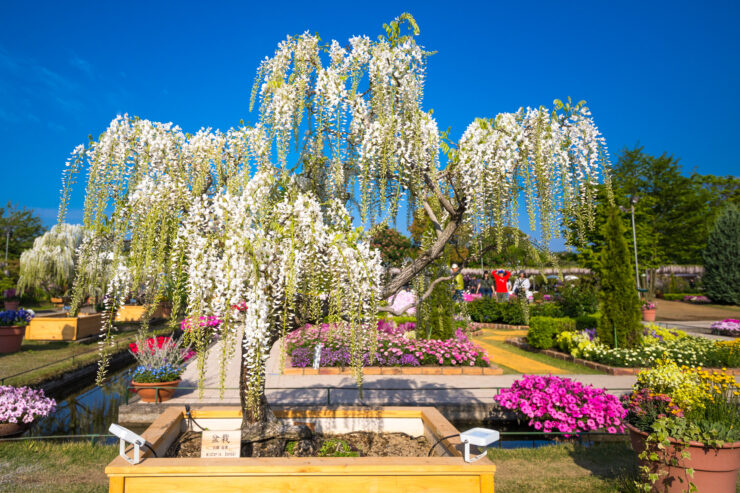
633, 201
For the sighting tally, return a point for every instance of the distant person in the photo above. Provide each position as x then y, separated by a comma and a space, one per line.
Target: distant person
500, 277
522, 286
485, 288
459, 282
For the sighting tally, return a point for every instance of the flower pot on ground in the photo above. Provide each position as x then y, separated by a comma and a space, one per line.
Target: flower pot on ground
57, 302
20, 406
715, 468
13, 328
648, 312
155, 391
648, 315
161, 361
684, 425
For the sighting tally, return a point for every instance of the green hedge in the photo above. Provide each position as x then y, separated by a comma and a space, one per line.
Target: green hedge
587, 322
677, 296
548, 309
488, 310
543, 330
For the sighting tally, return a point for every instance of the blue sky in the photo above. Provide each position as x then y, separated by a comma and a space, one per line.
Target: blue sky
665, 74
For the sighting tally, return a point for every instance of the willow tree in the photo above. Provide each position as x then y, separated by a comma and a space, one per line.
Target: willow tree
262, 214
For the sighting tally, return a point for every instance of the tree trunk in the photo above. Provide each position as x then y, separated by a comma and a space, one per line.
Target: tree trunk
262, 433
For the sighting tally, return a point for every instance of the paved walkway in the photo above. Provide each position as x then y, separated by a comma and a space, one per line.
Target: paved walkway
503, 356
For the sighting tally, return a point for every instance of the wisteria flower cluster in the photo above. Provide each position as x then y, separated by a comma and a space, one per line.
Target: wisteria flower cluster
18, 317
392, 349
727, 327
555, 403
24, 404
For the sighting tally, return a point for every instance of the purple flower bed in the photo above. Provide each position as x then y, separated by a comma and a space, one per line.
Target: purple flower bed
394, 349
727, 327
23, 404
560, 404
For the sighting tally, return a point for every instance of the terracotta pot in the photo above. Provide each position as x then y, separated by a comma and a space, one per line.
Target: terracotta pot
12, 305
12, 429
715, 469
11, 338
648, 315
148, 391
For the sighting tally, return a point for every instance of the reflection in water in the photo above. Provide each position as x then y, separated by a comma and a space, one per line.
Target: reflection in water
89, 411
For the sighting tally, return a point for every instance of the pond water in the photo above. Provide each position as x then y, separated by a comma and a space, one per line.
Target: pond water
520, 435
87, 411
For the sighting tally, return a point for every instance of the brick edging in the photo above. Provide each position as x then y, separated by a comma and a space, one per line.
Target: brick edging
399, 370
611, 370
485, 325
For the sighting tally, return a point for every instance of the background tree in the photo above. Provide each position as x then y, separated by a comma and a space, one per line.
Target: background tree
620, 305
722, 258
231, 216
24, 226
395, 248
51, 264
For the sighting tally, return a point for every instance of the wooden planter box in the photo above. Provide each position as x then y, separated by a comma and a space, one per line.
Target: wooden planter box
442, 473
134, 313
62, 328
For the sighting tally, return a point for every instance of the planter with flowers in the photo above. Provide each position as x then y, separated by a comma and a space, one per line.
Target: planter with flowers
648, 311
13, 328
161, 361
20, 406
11, 301
684, 424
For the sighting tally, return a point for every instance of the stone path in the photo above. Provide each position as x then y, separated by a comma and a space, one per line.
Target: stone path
503, 356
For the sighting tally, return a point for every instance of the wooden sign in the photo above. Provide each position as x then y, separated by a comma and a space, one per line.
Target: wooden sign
221, 444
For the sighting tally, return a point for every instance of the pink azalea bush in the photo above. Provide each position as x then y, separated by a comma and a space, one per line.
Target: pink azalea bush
471, 296
403, 298
393, 349
727, 327
560, 404
23, 404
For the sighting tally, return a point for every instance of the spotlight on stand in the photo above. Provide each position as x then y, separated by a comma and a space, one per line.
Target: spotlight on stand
480, 437
127, 436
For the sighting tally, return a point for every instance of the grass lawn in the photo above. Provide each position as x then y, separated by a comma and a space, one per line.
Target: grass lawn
78, 467
607, 467
33, 466
567, 366
37, 353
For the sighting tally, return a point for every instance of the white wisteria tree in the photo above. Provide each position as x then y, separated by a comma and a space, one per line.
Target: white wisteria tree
262, 214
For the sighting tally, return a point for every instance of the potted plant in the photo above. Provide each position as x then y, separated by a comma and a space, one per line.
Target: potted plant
19, 406
684, 424
11, 299
13, 328
648, 311
160, 364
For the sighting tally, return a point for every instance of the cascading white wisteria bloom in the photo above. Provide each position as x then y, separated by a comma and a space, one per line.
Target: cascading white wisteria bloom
215, 219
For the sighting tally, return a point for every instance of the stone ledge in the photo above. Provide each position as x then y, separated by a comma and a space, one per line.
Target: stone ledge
399, 370
611, 370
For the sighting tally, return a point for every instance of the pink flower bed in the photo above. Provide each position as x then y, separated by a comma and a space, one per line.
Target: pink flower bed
560, 404
471, 297
393, 348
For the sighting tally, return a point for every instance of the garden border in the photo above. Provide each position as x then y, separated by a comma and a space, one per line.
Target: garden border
395, 370
611, 370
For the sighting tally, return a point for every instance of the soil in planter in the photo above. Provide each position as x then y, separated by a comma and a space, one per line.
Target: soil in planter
357, 444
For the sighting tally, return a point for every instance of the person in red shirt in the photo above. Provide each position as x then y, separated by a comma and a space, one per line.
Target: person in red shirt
501, 276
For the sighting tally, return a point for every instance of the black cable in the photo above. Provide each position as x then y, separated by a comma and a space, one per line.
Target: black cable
439, 440
150, 448
190, 418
